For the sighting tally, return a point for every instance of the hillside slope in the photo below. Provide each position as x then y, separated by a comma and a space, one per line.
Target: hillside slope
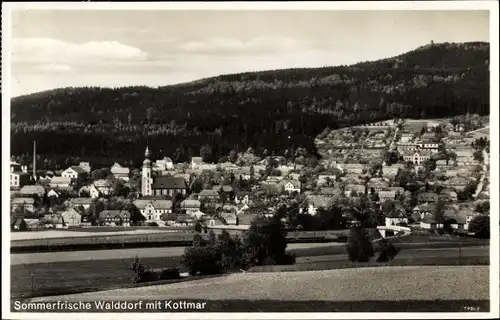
270, 111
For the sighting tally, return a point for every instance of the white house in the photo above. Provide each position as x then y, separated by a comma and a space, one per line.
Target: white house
242, 197
196, 163
120, 172
291, 185
72, 172
72, 217
152, 210
52, 193
19, 179
60, 182
317, 202
417, 157
92, 191
164, 164
191, 206
103, 187
395, 217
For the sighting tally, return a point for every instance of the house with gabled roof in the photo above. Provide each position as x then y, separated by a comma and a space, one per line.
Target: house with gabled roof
190, 206
54, 221
350, 189
169, 186
32, 190
448, 194
317, 202
103, 187
395, 217
23, 203
72, 217
243, 197
386, 195
458, 183
115, 218
290, 185
60, 182
163, 165
196, 163
354, 168
152, 210
81, 202
120, 172
208, 194
424, 210
73, 172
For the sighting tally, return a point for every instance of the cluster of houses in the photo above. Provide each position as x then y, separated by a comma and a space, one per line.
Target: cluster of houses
160, 183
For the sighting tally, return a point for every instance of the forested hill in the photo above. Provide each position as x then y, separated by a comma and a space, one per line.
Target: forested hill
258, 109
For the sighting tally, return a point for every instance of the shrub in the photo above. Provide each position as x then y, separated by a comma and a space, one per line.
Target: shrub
146, 276
201, 260
152, 224
169, 273
265, 241
286, 259
198, 227
480, 226
387, 251
359, 246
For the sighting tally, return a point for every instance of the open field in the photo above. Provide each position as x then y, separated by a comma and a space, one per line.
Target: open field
445, 283
81, 232
49, 257
301, 249
140, 239
90, 275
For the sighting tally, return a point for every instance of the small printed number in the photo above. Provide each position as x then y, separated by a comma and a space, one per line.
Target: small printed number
473, 309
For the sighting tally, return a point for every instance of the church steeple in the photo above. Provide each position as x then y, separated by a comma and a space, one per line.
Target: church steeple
147, 179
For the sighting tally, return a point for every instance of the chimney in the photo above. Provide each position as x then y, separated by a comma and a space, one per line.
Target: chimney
34, 159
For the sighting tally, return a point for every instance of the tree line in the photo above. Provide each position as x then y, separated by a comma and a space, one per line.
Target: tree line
276, 110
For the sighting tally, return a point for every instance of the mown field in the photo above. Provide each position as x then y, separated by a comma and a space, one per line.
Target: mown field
54, 278
429, 288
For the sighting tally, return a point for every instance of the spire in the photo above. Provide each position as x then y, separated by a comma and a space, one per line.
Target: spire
147, 153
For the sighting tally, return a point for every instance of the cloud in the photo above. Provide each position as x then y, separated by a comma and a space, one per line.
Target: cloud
54, 67
54, 51
228, 45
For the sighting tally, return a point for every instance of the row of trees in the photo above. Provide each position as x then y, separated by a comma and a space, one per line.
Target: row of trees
264, 243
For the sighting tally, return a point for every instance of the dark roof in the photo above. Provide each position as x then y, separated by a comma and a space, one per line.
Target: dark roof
183, 217
114, 213
246, 219
170, 216
169, 183
78, 169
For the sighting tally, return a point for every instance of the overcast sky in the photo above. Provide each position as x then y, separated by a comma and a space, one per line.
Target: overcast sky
52, 49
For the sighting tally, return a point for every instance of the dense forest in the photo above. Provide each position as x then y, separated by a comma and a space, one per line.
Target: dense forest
270, 111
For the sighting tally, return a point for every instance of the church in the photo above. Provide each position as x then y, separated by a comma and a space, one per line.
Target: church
162, 185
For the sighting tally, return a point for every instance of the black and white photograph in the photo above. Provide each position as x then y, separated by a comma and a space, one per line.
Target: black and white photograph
253, 159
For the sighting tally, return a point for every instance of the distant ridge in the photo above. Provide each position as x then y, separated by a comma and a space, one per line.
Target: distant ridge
251, 109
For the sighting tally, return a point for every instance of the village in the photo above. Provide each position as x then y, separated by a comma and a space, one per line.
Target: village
420, 173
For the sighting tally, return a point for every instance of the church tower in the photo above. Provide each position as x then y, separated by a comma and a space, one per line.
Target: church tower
147, 180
